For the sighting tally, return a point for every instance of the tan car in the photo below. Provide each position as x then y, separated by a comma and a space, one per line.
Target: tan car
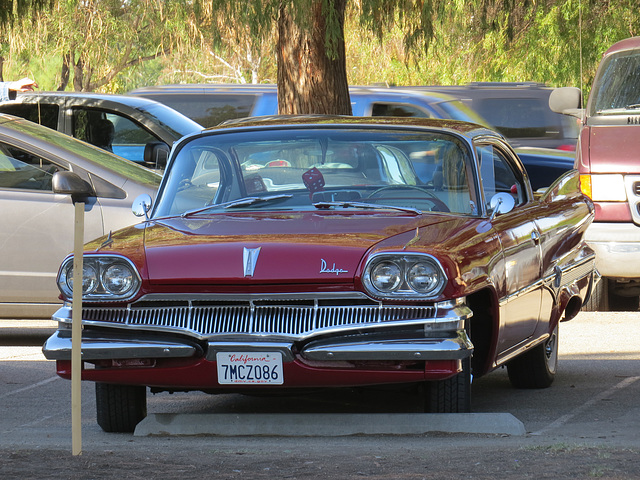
37, 225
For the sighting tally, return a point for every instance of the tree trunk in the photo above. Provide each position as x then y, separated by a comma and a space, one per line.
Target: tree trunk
309, 79
78, 75
65, 72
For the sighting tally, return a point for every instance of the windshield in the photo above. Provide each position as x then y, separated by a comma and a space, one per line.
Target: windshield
320, 168
617, 86
457, 110
172, 120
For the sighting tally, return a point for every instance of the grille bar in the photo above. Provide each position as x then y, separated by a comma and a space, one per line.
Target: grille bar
294, 320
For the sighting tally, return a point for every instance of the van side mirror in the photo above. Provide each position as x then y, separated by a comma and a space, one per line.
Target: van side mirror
70, 183
156, 155
567, 100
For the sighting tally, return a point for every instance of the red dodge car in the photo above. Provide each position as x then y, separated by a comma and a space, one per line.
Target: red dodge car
296, 252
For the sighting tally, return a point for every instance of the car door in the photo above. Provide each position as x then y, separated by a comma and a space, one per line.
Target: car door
37, 229
521, 288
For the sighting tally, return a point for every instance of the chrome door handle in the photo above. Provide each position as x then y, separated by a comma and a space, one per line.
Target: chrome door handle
535, 236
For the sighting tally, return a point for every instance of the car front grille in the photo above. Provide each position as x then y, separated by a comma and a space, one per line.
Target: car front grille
292, 319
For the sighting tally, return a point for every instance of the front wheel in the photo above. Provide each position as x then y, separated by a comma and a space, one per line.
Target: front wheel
119, 408
537, 367
452, 395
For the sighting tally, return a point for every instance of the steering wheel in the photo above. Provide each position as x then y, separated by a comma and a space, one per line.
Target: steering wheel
439, 204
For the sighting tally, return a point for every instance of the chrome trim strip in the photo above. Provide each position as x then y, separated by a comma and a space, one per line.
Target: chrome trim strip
100, 347
570, 273
267, 297
455, 348
577, 270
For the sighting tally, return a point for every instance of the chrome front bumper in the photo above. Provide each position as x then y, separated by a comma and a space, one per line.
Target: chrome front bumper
438, 337
112, 347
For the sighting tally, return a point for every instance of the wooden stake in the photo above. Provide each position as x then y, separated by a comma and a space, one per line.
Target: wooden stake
76, 331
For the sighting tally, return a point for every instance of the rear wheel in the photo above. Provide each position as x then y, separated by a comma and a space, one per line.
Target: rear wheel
537, 367
119, 408
452, 395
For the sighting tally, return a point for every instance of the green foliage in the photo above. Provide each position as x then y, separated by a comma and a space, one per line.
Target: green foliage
122, 44
11, 10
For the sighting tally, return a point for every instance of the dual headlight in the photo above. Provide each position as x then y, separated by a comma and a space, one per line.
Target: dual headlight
105, 277
417, 276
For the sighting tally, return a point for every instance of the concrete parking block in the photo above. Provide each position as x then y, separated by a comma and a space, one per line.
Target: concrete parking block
327, 425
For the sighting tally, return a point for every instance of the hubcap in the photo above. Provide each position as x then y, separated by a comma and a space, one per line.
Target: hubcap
551, 351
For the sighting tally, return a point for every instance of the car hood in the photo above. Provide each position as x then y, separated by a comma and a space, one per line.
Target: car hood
614, 148
301, 247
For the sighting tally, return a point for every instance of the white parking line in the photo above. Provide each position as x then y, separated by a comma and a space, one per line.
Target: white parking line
29, 387
565, 418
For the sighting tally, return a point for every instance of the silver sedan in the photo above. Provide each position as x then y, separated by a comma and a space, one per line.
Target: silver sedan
37, 224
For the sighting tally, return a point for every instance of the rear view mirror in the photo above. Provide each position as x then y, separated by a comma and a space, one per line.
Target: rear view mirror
141, 205
156, 155
501, 203
567, 100
70, 183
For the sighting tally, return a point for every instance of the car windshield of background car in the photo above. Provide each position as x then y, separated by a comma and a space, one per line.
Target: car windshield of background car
171, 120
456, 110
304, 169
617, 87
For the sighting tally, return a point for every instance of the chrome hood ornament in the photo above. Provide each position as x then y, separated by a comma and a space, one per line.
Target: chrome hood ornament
249, 260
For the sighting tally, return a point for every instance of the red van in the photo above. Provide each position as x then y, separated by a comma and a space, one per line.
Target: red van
607, 157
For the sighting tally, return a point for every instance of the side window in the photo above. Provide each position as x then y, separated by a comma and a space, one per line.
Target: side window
397, 110
22, 170
41, 113
498, 176
112, 132
519, 117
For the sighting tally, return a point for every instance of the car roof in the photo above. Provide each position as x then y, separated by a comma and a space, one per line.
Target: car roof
272, 88
626, 44
489, 89
128, 100
204, 87
454, 126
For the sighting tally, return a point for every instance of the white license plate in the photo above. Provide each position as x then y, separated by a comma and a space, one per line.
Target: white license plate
249, 368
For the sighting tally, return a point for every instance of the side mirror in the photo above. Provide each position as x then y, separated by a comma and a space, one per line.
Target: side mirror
501, 203
156, 155
142, 205
567, 100
70, 183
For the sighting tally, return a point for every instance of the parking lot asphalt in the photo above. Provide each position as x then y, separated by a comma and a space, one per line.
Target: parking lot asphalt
590, 414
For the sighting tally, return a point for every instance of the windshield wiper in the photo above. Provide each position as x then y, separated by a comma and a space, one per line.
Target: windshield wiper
240, 202
244, 202
371, 206
610, 111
